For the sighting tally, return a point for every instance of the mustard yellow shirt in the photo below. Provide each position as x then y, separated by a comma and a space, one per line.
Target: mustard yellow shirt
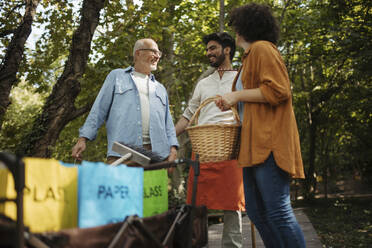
269, 127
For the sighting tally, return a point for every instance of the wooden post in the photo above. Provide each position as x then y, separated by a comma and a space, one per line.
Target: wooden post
253, 236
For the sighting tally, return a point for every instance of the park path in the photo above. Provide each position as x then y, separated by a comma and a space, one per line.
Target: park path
311, 237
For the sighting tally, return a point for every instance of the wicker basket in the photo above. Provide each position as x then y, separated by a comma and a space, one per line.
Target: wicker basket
214, 142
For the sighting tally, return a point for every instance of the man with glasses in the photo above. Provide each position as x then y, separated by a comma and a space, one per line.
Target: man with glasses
135, 108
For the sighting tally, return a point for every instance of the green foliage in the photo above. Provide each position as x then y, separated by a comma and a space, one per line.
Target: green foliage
330, 83
46, 62
10, 17
19, 117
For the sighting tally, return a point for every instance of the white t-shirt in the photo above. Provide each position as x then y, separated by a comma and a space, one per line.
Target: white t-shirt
142, 82
208, 87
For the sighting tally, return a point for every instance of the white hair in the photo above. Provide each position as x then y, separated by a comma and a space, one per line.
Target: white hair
139, 44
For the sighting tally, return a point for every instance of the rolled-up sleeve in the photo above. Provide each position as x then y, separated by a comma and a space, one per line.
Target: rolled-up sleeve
273, 77
171, 131
194, 103
99, 111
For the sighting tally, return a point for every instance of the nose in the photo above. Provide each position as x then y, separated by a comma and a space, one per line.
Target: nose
156, 57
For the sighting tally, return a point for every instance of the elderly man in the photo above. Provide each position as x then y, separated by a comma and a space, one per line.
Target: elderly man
135, 108
220, 184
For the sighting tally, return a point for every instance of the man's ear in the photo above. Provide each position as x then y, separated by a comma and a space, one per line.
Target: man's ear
227, 50
136, 54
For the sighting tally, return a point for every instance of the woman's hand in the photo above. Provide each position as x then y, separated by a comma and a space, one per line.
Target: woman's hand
226, 101
248, 95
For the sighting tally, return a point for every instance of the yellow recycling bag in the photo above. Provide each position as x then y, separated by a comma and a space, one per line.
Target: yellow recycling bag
50, 196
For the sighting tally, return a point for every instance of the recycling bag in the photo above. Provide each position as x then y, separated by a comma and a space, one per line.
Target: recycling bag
155, 192
107, 194
50, 195
60, 195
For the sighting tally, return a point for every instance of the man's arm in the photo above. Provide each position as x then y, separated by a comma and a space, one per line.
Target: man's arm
170, 129
96, 117
79, 148
192, 106
181, 125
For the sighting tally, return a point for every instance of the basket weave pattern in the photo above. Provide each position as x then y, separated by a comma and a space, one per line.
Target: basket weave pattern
214, 142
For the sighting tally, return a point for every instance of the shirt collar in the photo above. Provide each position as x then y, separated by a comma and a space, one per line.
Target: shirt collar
130, 69
217, 75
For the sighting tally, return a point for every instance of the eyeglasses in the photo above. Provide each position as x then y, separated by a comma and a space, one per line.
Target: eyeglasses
154, 51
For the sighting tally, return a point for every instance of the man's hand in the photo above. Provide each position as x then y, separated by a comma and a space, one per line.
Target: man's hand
172, 156
78, 149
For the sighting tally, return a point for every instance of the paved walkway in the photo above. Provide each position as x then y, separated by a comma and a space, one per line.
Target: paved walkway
311, 238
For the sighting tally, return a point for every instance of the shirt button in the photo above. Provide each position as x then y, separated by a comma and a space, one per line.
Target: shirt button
139, 137
139, 122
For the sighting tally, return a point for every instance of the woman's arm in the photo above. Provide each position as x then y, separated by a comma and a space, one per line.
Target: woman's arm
249, 95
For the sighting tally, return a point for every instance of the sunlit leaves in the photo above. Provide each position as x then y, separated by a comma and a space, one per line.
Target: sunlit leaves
20, 115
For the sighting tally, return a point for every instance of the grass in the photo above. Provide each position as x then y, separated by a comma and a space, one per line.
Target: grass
341, 222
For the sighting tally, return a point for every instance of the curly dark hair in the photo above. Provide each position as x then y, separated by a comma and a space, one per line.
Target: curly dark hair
255, 22
224, 39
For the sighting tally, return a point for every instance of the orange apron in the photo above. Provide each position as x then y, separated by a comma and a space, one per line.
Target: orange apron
220, 186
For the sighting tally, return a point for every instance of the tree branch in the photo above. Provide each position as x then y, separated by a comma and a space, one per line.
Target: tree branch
80, 111
13, 57
7, 32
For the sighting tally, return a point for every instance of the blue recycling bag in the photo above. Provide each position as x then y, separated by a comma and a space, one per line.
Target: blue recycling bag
108, 194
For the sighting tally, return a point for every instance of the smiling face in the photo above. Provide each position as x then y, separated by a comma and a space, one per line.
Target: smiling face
215, 53
146, 57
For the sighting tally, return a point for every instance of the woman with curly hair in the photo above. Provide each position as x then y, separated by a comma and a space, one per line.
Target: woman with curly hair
270, 151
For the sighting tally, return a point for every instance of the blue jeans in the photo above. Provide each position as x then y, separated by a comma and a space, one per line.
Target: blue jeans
268, 205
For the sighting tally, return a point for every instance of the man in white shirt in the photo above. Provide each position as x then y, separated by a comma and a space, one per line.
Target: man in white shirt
220, 184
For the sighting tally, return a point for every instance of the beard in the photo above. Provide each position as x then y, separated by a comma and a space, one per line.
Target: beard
153, 64
219, 60
153, 67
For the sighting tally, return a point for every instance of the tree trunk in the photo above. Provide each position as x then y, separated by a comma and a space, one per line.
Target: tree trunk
59, 108
13, 56
325, 176
222, 15
310, 179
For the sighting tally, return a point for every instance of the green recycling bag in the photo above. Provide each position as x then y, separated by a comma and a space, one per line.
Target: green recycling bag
155, 192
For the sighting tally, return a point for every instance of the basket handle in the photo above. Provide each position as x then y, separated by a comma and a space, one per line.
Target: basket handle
195, 117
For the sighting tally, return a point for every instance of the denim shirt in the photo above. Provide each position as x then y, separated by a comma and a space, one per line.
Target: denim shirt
118, 104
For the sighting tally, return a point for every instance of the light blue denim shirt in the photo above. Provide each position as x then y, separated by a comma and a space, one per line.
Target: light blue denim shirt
118, 104
239, 86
